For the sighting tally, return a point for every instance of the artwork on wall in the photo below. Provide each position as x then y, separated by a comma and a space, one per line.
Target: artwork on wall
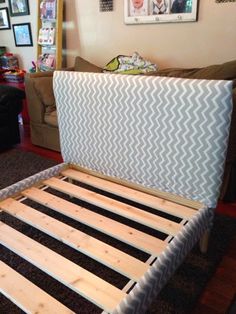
105, 5
22, 34
18, 7
4, 19
160, 11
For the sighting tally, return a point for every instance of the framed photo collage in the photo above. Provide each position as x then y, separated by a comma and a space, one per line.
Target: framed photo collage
160, 11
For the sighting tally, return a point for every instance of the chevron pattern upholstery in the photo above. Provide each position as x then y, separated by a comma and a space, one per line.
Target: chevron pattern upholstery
164, 133
146, 290
25, 183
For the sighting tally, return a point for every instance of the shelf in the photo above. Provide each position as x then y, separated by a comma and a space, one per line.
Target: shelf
57, 24
49, 20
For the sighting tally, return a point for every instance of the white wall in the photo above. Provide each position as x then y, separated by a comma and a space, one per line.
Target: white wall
25, 54
100, 36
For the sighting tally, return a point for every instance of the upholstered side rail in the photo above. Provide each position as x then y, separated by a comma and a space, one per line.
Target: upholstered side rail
25, 183
163, 133
140, 298
164, 249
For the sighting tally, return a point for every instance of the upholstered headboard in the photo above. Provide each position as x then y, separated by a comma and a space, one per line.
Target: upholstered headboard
164, 133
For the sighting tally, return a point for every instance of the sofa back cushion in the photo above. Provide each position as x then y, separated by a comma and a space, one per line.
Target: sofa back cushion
163, 133
82, 65
224, 71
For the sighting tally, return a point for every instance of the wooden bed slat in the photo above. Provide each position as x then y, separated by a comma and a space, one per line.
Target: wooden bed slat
16, 288
100, 251
73, 276
130, 212
131, 194
129, 235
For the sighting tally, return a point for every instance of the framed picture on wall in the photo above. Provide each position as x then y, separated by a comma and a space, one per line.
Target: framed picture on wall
138, 8
18, 7
160, 11
4, 19
22, 34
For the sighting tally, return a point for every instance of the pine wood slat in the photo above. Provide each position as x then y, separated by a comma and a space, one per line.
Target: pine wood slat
136, 186
130, 212
131, 194
73, 276
106, 225
19, 290
100, 251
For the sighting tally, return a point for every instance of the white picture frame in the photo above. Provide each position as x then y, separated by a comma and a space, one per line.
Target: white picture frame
160, 11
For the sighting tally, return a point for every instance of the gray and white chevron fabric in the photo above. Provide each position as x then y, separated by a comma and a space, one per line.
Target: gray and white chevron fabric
146, 290
25, 183
164, 133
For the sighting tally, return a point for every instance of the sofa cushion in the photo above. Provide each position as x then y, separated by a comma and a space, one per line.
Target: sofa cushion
44, 89
82, 65
224, 71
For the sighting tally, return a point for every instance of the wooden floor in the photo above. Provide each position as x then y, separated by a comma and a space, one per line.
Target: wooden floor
221, 289
28, 146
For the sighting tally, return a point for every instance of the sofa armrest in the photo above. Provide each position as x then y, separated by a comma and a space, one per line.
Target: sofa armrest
40, 74
39, 89
39, 93
36, 107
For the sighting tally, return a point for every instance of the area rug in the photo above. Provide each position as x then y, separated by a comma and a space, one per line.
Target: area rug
179, 296
16, 165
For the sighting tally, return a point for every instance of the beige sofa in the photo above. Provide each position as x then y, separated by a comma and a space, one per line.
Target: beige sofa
41, 105
43, 117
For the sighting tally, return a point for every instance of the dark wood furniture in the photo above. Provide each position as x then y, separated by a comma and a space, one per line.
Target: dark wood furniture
11, 103
24, 112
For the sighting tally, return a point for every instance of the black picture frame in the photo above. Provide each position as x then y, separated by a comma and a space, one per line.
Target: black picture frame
22, 35
4, 19
19, 7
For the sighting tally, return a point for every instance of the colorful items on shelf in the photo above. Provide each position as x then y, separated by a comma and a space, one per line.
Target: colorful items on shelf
48, 9
1, 75
46, 36
9, 69
2, 50
8, 62
46, 62
14, 76
33, 68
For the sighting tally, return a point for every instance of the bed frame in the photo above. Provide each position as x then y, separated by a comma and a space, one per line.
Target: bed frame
91, 287
163, 225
